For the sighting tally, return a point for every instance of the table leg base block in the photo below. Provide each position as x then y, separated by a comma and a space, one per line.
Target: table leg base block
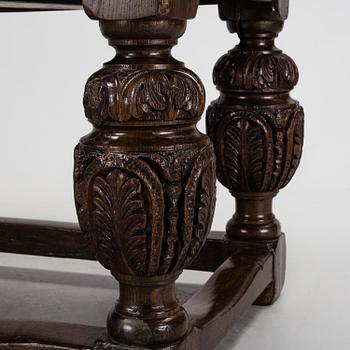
273, 291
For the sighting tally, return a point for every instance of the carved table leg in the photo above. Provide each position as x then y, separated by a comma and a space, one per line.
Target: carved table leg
145, 176
256, 128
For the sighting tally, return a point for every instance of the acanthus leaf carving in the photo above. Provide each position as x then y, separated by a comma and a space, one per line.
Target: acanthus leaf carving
296, 137
240, 70
170, 244
130, 198
255, 155
192, 236
139, 172
205, 204
232, 154
143, 221
257, 150
120, 220
132, 95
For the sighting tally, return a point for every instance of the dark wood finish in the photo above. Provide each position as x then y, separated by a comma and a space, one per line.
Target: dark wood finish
51, 5
46, 238
145, 178
46, 335
66, 240
231, 289
145, 175
227, 294
40, 5
256, 128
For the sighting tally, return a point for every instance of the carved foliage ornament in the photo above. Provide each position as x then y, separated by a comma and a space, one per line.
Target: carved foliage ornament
121, 95
141, 223
240, 70
257, 150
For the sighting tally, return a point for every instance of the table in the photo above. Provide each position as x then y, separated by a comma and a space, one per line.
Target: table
145, 176
50, 5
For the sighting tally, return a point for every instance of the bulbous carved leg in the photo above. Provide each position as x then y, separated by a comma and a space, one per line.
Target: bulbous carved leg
256, 128
145, 176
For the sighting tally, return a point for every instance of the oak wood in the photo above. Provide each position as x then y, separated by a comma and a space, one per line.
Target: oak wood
46, 238
66, 240
234, 286
136, 9
21, 334
227, 294
255, 126
145, 177
231, 289
40, 5
51, 5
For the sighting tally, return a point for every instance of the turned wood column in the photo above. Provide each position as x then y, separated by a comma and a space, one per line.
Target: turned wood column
256, 127
145, 176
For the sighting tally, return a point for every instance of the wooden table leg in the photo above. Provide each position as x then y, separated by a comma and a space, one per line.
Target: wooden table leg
145, 180
256, 128
145, 176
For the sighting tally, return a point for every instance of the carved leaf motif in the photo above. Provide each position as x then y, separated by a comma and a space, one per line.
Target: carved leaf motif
119, 220
103, 225
232, 154
298, 138
254, 160
225, 70
205, 202
197, 193
239, 70
164, 95
98, 95
81, 161
146, 221
244, 155
151, 95
173, 165
287, 71
121, 203
264, 70
182, 96
258, 151
173, 193
279, 154
113, 95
